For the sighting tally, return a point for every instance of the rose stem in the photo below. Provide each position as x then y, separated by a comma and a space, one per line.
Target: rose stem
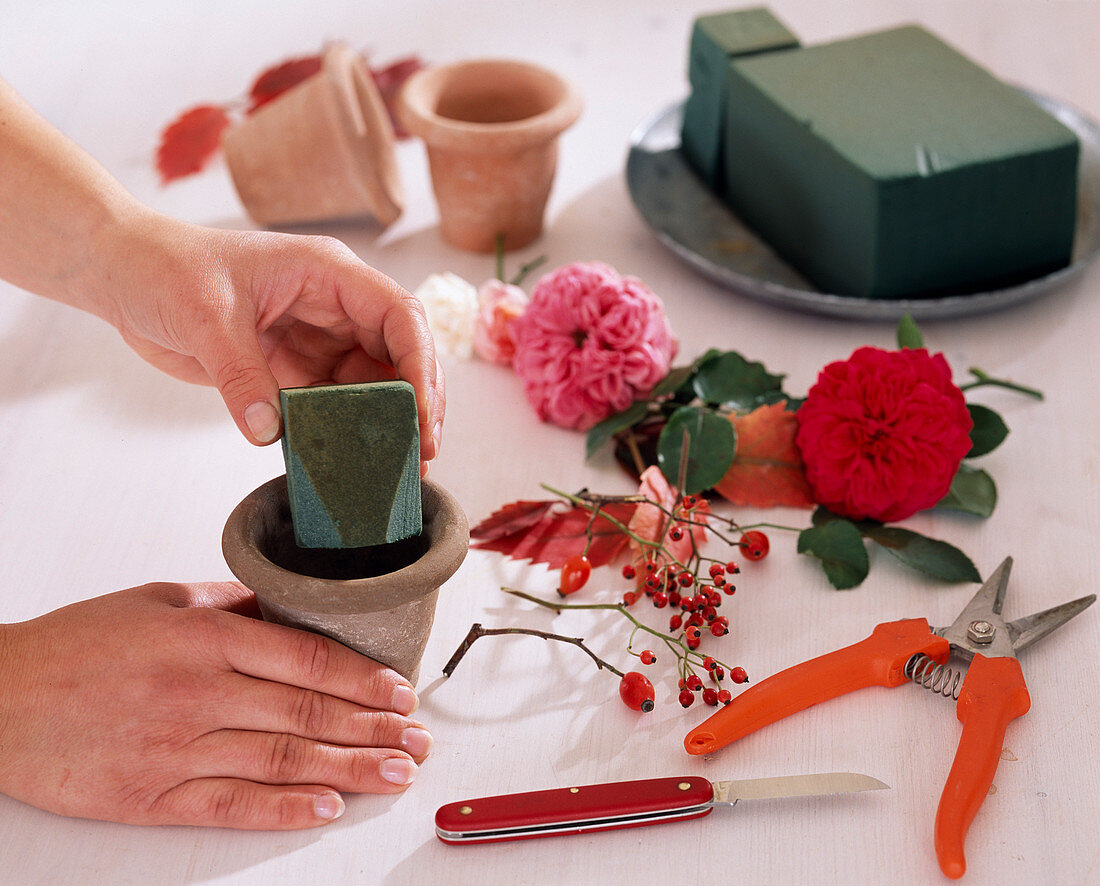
983, 378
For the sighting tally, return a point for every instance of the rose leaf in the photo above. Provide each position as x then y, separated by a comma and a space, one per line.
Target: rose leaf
931, 556
839, 546
989, 430
600, 435
909, 334
972, 491
728, 378
711, 444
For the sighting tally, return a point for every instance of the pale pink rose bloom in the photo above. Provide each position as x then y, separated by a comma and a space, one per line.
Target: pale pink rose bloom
590, 343
499, 304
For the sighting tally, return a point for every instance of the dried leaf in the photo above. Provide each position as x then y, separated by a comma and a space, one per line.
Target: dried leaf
767, 469
279, 78
189, 141
389, 81
551, 535
512, 518
651, 523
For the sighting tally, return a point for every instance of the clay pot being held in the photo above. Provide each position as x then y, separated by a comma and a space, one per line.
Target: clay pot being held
491, 130
380, 600
322, 150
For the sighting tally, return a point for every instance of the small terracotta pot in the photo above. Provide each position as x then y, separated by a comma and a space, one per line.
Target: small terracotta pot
491, 129
323, 150
380, 601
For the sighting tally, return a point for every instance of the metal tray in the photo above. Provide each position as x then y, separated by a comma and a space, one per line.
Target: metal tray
702, 230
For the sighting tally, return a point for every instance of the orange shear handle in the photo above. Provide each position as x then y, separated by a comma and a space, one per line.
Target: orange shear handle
993, 695
876, 661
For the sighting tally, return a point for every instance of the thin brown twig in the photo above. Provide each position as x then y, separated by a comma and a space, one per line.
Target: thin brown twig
477, 630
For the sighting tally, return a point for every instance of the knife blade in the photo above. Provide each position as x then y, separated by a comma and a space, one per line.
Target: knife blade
623, 804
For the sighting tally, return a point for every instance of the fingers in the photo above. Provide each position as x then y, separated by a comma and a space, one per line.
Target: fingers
311, 661
275, 707
236, 363
282, 759
246, 805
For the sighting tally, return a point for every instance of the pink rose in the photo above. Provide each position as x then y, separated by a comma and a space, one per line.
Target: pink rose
590, 343
498, 305
882, 433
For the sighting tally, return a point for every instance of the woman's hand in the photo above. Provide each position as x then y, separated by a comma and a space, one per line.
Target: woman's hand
251, 312
171, 704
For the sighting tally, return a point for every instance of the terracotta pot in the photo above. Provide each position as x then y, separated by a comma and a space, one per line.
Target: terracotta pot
322, 150
491, 130
380, 601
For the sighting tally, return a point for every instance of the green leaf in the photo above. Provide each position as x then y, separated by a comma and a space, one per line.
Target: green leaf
931, 556
728, 378
989, 430
711, 446
909, 334
972, 491
600, 435
838, 544
677, 377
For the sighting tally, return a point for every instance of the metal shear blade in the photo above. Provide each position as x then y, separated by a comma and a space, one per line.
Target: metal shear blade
981, 629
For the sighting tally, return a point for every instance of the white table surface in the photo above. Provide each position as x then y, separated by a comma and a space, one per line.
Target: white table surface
112, 475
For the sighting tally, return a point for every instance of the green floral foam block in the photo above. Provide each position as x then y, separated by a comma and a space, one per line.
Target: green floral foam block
352, 457
715, 40
890, 166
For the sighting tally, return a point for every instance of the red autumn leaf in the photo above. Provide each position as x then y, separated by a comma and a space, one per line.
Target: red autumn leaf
652, 524
279, 78
510, 519
767, 469
189, 141
554, 535
389, 81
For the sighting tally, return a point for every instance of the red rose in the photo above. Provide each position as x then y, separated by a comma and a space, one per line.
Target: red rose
882, 433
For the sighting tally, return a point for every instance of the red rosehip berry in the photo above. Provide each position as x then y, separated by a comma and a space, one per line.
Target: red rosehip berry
717, 674
754, 544
725, 696
687, 697
676, 533
732, 568
674, 598
718, 629
630, 598
686, 579
694, 682
647, 657
574, 574
629, 572
709, 662
660, 599
738, 675
636, 691
710, 696
717, 569
675, 622
650, 566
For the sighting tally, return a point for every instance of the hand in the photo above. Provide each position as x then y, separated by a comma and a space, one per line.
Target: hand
251, 312
169, 704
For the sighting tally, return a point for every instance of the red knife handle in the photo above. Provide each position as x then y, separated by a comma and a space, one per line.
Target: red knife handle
574, 810
876, 661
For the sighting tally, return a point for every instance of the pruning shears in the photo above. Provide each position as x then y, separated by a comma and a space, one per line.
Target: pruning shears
992, 695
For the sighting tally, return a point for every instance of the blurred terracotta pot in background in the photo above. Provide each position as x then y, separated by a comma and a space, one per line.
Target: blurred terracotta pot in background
323, 150
491, 129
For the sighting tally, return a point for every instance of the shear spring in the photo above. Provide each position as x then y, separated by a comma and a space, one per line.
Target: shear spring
935, 677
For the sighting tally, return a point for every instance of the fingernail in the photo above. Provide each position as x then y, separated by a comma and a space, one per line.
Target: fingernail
263, 420
404, 700
328, 806
398, 770
437, 437
416, 742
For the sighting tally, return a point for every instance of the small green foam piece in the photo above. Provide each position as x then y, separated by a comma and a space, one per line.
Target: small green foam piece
352, 456
715, 39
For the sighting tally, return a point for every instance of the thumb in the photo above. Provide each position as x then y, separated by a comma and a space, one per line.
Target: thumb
239, 369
